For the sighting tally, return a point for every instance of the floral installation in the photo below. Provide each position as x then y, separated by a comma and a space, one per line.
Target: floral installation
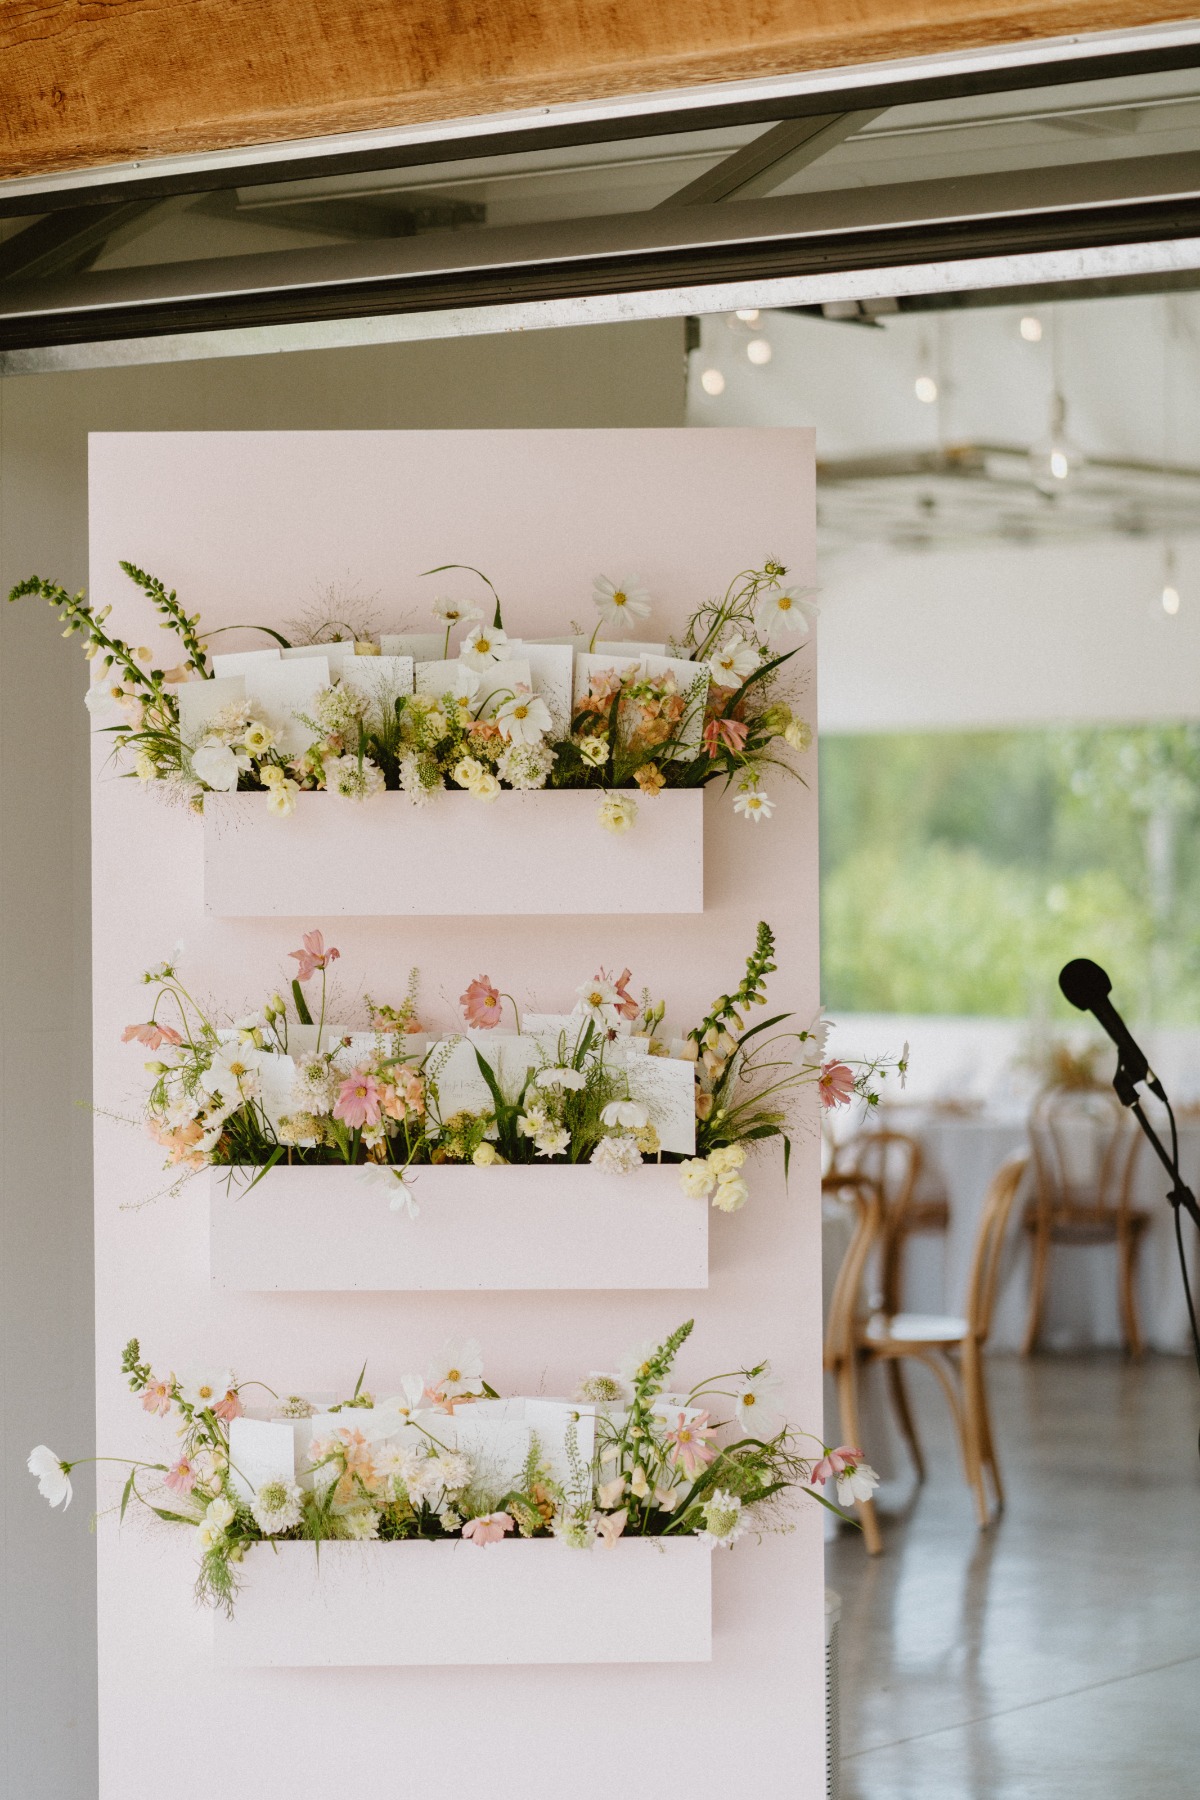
713, 1462
281, 1085
709, 708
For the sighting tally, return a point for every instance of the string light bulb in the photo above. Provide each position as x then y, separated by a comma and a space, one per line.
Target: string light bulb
926, 389
758, 351
1031, 329
747, 314
712, 381
1056, 459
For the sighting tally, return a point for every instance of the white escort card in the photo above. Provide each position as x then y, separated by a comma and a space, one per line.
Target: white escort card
236, 662
201, 701
285, 690
667, 1089
422, 646
381, 679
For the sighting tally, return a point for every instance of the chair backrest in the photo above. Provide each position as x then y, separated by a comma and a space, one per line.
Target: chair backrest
989, 1245
841, 1325
892, 1160
1084, 1146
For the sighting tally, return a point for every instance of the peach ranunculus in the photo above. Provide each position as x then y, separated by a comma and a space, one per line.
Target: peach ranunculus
314, 955
150, 1034
358, 1103
481, 1003
488, 1529
836, 1085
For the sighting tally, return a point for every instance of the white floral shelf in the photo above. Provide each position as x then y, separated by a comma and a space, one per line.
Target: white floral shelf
528, 1601
330, 1229
542, 853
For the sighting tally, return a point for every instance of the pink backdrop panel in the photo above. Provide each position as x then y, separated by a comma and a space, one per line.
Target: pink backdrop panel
251, 527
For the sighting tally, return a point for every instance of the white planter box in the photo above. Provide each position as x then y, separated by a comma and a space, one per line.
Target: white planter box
522, 853
321, 1230
392, 1605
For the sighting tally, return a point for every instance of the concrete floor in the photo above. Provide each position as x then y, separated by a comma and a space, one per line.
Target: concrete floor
1057, 1654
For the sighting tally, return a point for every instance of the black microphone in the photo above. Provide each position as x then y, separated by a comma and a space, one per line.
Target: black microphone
1086, 986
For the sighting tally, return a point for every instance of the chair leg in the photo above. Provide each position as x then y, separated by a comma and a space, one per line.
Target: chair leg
1037, 1289
1127, 1253
977, 1431
848, 1411
988, 1443
904, 1413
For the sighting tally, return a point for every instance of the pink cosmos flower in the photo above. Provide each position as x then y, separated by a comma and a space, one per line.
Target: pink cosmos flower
688, 1447
156, 1397
481, 1003
314, 955
627, 1006
836, 1462
228, 1408
836, 1085
358, 1103
150, 1034
730, 732
181, 1476
489, 1529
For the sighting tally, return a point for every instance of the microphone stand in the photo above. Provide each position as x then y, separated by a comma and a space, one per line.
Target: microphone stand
1181, 1197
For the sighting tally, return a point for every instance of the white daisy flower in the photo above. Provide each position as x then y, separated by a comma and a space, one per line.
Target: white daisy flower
455, 612
457, 1370
754, 805
560, 1079
524, 719
620, 602
756, 1411
629, 1113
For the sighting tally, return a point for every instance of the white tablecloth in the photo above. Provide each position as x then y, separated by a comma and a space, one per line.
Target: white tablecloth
1081, 1297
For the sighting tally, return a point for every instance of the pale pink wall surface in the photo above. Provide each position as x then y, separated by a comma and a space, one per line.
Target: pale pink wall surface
245, 526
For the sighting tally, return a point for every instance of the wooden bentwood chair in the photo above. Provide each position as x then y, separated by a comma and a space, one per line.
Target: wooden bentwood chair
953, 1347
893, 1161
843, 1325
1085, 1148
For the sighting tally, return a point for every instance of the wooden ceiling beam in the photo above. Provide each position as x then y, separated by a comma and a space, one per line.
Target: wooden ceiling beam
92, 82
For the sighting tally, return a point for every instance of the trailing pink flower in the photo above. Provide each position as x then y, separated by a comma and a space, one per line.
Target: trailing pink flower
181, 1476
150, 1034
228, 1408
314, 955
481, 1003
156, 1397
489, 1529
358, 1104
836, 1462
836, 1085
727, 733
689, 1448
627, 1006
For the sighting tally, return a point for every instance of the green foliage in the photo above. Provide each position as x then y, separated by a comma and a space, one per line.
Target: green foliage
960, 870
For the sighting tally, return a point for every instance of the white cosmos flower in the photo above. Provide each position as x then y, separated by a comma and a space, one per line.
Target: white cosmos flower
457, 1370
524, 719
217, 767
756, 1412
53, 1477
733, 662
234, 1073
483, 647
618, 602
205, 1389
561, 1078
858, 1483
754, 804
455, 612
598, 1000
786, 609
629, 1113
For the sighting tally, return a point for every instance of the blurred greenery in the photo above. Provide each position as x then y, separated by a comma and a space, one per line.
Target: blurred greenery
960, 870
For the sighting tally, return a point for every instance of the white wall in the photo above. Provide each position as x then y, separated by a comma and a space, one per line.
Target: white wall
602, 376
994, 636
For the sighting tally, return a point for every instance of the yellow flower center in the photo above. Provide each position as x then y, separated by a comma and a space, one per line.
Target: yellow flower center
489, 1000
685, 1436
784, 603
453, 1375
747, 1399
206, 1393
520, 712
619, 598
595, 999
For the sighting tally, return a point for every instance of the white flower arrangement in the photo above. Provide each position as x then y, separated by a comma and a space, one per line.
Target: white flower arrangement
655, 1463
676, 716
